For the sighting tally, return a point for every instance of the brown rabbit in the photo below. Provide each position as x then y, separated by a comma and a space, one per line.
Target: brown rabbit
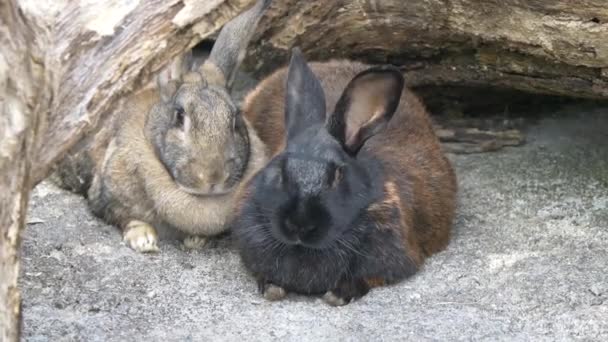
351, 199
177, 159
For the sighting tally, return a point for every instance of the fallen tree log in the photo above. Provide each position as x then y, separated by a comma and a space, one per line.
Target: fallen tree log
543, 46
64, 65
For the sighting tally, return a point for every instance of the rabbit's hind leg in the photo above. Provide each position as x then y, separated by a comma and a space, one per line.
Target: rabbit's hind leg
195, 242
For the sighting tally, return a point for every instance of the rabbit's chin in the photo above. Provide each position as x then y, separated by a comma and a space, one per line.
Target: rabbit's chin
300, 243
297, 243
202, 193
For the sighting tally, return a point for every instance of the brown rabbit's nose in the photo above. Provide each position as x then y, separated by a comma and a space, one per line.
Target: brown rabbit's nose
211, 178
214, 179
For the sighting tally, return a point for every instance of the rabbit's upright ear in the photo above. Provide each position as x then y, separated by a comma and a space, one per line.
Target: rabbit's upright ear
304, 97
230, 47
366, 106
169, 79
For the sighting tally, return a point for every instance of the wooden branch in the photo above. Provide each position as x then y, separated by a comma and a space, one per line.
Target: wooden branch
18, 89
64, 65
474, 140
471, 135
543, 46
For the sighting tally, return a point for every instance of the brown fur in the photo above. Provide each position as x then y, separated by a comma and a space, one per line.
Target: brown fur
143, 189
375, 282
421, 183
179, 153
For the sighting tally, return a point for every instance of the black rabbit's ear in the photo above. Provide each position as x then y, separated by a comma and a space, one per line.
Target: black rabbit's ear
366, 106
304, 98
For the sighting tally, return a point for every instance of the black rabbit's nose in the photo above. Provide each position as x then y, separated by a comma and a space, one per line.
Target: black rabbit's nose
297, 228
307, 228
290, 226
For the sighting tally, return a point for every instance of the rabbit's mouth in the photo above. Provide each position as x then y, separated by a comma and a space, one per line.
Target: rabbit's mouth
204, 193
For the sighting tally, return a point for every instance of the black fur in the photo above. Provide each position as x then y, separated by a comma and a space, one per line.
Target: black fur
305, 224
304, 99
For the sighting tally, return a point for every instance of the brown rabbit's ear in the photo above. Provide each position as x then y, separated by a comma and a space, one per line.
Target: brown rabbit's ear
366, 106
230, 47
169, 79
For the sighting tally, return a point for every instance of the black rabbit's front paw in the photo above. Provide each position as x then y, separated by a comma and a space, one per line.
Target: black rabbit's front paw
270, 291
346, 291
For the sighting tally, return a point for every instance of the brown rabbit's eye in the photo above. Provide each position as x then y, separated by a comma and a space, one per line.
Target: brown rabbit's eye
179, 116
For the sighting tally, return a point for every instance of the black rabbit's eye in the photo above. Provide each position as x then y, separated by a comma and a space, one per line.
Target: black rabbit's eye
273, 176
337, 175
179, 116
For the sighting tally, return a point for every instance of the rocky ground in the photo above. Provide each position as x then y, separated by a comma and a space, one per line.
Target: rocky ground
527, 262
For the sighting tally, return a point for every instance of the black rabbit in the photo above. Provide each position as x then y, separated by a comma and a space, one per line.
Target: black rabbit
350, 200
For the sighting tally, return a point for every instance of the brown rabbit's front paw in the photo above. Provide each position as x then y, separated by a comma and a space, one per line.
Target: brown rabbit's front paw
141, 236
346, 292
195, 242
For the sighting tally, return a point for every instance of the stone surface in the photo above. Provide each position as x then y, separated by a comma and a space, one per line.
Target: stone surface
527, 262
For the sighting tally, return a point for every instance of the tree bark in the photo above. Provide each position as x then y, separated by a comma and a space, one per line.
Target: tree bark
64, 65
556, 47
